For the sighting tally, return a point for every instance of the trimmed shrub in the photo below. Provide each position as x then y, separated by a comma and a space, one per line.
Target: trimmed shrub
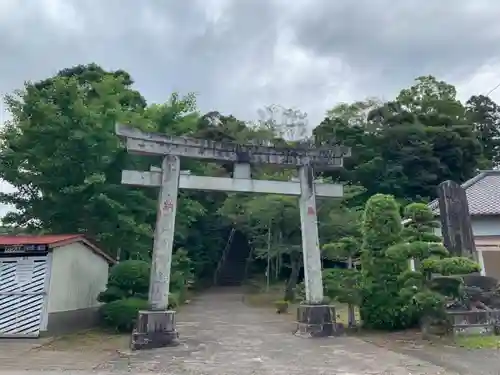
380, 300
393, 296
128, 286
424, 296
130, 276
281, 306
121, 315
111, 294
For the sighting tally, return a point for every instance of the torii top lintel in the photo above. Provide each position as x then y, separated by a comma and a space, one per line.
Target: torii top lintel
140, 142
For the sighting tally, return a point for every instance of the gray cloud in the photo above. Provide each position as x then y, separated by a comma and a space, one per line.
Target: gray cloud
236, 54
240, 55
389, 43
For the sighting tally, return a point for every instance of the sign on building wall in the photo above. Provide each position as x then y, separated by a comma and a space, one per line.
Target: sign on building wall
18, 250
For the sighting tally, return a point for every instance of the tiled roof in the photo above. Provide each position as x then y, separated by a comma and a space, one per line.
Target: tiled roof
483, 194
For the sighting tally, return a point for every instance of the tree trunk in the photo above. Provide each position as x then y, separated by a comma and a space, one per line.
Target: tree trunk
278, 258
293, 279
351, 317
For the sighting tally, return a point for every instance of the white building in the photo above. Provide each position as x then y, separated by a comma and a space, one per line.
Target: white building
49, 284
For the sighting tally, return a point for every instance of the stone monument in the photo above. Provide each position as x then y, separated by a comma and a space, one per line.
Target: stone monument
455, 220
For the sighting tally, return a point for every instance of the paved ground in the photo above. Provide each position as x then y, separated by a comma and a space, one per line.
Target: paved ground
222, 336
463, 361
40, 355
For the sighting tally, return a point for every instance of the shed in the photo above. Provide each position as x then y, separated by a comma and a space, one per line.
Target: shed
49, 284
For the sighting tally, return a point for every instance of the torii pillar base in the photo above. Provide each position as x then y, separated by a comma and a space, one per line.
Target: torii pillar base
316, 320
155, 329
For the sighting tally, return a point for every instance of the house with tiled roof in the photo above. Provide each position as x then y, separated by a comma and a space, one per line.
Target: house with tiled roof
483, 196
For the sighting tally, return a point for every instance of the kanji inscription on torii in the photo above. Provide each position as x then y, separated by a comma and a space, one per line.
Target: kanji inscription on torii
157, 327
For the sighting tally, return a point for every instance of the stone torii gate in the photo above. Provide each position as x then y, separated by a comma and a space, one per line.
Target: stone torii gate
156, 327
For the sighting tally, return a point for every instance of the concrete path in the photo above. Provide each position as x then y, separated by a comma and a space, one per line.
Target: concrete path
222, 336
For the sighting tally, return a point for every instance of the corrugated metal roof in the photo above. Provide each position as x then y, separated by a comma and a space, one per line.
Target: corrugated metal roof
483, 194
37, 240
53, 240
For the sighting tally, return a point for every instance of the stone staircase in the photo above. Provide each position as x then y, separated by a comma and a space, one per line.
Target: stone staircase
232, 266
232, 273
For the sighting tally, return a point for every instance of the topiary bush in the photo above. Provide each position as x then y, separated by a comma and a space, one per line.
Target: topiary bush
125, 294
111, 294
381, 306
419, 293
121, 315
128, 287
393, 296
129, 278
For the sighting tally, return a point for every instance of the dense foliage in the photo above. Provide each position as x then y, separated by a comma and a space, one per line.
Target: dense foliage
393, 295
390, 294
419, 293
407, 146
380, 305
128, 286
60, 153
344, 284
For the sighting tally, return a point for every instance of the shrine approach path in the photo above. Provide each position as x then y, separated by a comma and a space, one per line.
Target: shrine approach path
220, 335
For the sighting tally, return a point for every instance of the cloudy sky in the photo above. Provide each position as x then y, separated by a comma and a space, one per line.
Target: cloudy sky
240, 55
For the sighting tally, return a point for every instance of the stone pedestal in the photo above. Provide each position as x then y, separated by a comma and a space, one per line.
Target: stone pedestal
316, 320
155, 329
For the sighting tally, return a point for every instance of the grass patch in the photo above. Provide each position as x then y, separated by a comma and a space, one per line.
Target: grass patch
257, 295
477, 341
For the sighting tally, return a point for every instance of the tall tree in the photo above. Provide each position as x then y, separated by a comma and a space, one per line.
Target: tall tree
484, 115
439, 143
61, 154
407, 146
348, 125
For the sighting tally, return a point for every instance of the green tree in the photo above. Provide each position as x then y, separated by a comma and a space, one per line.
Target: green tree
484, 115
426, 139
347, 124
393, 295
381, 229
407, 146
419, 292
260, 216
344, 285
60, 153
62, 133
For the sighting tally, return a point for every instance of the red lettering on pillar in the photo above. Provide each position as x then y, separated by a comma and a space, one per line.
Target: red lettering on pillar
168, 206
311, 211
